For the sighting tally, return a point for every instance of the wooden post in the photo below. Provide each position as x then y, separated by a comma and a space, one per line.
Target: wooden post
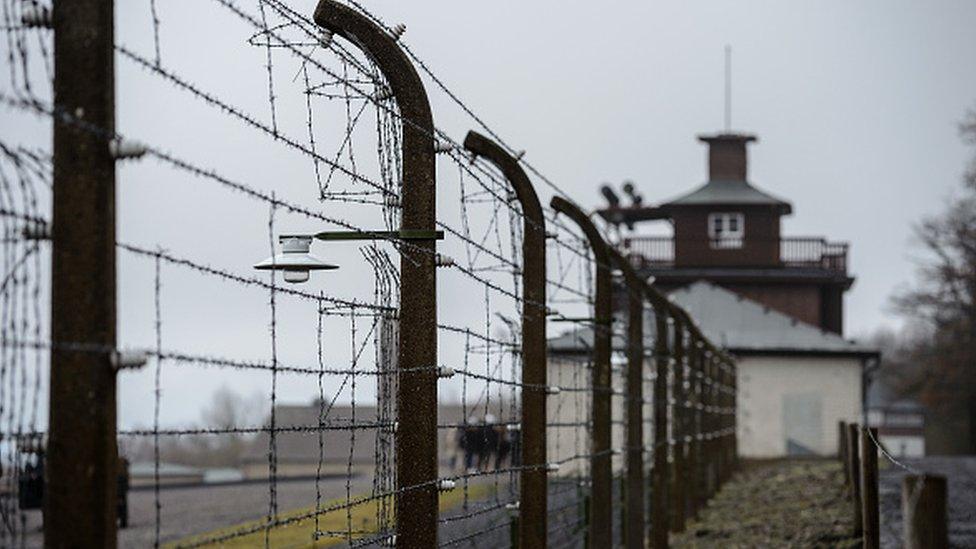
842, 449
693, 465
854, 467
923, 507
869, 489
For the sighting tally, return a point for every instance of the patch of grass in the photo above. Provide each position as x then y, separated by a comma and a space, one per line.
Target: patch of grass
787, 503
299, 528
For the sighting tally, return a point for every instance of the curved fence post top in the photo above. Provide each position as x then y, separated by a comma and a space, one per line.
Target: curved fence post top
494, 153
600, 247
382, 48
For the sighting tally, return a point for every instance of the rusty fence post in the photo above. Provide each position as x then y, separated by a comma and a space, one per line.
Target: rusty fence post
659, 490
870, 511
601, 472
82, 448
693, 464
923, 509
678, 414
416, 453
533, 496
634, 475
854, 468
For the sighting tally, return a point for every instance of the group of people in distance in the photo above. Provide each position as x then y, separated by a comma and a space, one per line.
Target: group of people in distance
486, 445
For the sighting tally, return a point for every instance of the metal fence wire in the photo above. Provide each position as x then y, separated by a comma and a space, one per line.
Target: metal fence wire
484, 367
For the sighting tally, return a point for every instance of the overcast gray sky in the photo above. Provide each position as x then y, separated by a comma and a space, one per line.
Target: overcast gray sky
855, 105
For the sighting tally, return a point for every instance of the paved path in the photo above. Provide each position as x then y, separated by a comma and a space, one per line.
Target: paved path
961, 475
188, 511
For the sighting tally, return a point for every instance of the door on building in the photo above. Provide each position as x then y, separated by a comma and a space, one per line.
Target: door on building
803, 423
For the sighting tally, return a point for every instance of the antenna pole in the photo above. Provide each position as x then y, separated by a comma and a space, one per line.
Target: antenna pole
728, 89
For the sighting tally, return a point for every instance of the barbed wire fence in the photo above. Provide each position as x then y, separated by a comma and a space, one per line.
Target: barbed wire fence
316, 107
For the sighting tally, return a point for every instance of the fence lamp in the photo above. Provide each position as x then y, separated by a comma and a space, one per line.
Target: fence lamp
297, 263
295, 260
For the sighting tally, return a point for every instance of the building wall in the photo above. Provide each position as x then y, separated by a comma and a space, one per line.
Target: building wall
801, 398
692, 246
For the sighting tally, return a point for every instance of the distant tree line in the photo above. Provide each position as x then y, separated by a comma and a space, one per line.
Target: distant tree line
934, 358
227, 410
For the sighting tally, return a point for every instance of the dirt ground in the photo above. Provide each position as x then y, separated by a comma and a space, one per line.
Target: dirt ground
782, 503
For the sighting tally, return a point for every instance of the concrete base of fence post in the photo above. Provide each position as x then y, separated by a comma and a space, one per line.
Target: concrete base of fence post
923, 507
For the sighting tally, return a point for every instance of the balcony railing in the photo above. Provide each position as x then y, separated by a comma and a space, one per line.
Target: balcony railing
807, 252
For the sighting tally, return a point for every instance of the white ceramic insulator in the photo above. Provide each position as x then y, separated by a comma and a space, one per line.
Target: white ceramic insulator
514, 427
36, 17
129, 359
124, 149
446, 484
442, 260
398, 31
443, 146
383, 93
552, 467
552, 390
445, 371
327, 37
389, 542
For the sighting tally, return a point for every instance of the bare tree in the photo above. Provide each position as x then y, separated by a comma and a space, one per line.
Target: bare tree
943, 363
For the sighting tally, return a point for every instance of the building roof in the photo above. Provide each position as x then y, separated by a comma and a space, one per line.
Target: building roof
744, 326
731, 193
734, 323
882, 395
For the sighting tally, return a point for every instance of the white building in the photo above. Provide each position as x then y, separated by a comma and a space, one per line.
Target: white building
796, 381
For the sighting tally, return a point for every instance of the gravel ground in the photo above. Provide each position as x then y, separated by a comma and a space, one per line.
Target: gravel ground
783, 503
961, 475
187, 511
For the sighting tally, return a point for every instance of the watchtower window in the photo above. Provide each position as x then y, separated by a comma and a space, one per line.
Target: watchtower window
726, 230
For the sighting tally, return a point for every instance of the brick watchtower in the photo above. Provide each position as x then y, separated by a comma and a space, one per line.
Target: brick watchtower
727, 232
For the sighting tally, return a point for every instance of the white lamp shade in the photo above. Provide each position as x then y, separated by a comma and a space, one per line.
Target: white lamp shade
295, 260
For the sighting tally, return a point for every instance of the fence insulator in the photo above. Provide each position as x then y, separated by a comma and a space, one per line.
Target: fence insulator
37, 17
129, 360
37, 231
519, 155
618, 392
552, 390
124, 149
512, 508
389, 541
442, 260
445, 371
443, 146
552, 312
391, 201
383, 93
326, 38
445, 485
551, 235
514, 427
615, 452
398, 31
552, 467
